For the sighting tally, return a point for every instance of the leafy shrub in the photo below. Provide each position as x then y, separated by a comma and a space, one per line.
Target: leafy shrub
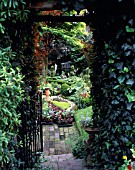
79, 149
77, 144
64, 89
80, 93
11, 95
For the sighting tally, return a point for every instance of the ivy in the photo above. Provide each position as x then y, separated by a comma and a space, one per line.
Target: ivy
113, 84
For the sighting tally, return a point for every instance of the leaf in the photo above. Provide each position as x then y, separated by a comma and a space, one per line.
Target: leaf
110, 61
112, 74
2, 19
64, 9
2, 13
133, 63
131, 96
119, 65
107, 145
9, 14
130, 82
0, 158
128, 29
5, 120
126, 69
5, 3
128, 127
115, 102
115, 143
121, 79
123, 122
129, 106
117, 86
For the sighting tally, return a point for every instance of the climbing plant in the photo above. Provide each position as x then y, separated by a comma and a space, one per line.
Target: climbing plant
113, 82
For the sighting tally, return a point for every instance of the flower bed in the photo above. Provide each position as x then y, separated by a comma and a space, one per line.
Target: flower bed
57, 114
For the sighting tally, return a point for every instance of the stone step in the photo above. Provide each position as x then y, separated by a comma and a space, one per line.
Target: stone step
64, 162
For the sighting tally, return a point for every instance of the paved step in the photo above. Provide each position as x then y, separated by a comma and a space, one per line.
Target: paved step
64, 162
54, 139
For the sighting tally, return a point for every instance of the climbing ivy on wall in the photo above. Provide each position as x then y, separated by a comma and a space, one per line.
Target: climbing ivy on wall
113, 82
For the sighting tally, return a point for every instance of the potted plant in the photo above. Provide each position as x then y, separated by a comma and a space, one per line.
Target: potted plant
87, 124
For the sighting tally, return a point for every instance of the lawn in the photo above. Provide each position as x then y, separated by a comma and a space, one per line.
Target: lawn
62, 105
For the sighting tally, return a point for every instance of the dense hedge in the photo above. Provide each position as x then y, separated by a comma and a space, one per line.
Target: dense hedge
11, 94
15, 52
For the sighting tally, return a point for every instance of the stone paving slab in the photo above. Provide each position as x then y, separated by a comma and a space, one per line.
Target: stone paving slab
58, 155
64, 162
55, 138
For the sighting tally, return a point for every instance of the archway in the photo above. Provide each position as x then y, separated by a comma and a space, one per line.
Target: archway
114, 43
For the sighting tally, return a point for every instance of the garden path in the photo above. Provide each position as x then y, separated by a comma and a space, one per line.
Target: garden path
54, 139
56, 149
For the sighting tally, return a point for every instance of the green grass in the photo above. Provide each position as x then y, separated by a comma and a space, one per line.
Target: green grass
82, 112
62, 105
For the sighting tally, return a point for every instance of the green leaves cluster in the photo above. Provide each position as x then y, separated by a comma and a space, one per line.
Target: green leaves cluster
15, 52
11, 94
72, 33
12, 10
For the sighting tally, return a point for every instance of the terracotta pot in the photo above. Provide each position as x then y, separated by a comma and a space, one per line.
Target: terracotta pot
91, 130
47, 92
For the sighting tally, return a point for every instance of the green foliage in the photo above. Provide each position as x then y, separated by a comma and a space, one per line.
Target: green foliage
72, 5
16, 52
9, 10
71, 40
79, 149
59, 80
11, 94
64, 89
77, 144
83, 114
113, 84
74, 35
80, 92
